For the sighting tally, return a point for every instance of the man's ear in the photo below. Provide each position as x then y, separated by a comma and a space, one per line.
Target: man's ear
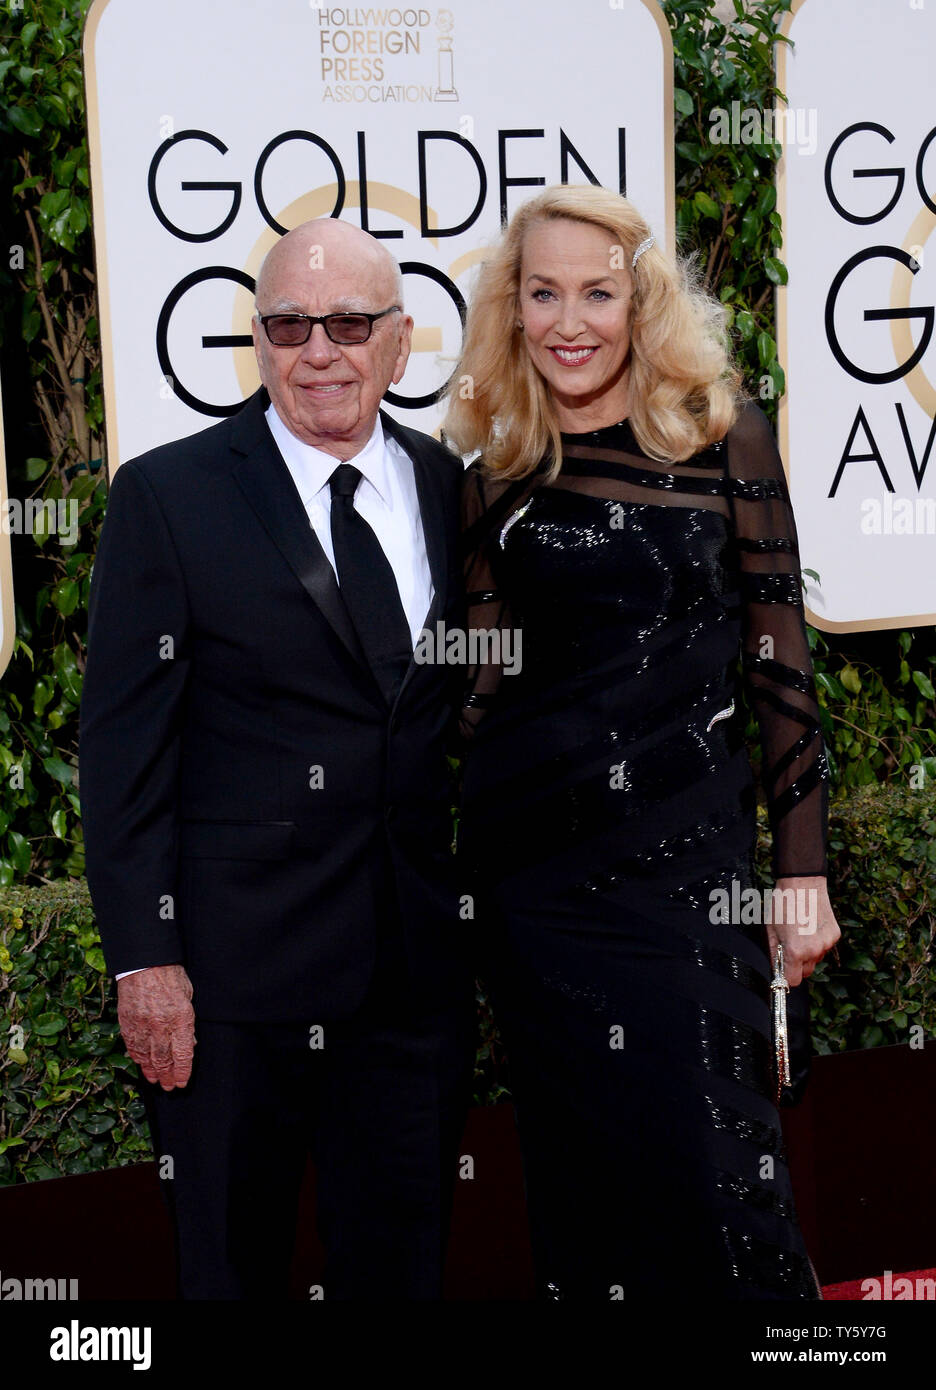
256, 329
406, 343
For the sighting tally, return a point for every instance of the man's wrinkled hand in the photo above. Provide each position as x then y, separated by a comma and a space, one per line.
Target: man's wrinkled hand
154, 1008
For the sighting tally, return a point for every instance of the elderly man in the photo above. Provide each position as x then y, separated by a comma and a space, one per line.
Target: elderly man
266, 803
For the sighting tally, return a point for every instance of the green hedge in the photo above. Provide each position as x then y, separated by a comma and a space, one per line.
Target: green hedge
68, 1105
882, 863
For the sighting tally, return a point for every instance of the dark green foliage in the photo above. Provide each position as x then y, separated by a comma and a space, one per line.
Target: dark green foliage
65, 1106
50, 317
878, 725
882, 862
725, 195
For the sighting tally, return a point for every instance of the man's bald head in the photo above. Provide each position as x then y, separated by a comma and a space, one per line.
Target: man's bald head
313, 242
327, 393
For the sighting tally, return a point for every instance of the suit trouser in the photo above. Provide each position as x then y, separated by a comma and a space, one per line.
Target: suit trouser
380, 1106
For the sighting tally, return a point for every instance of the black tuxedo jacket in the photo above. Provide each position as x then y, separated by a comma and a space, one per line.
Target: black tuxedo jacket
251, 806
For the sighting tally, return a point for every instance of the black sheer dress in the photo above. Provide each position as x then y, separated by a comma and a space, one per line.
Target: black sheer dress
608, 793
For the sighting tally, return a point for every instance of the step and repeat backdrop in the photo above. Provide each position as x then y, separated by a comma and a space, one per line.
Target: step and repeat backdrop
217, 125
857, 194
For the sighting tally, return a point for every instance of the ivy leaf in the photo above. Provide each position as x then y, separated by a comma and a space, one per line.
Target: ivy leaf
767, 200
59, 770
51, 204
32, 322
66, 668
832, 686
776, 270
43, 692
750, 227
706, 205
924, 685
682, 101
99, 1124
47, 1025
65, 596
95, 958
25, 120
850, 679
20, 853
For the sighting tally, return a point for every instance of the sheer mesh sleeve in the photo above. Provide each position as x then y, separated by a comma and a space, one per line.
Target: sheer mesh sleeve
776, 662
486, 507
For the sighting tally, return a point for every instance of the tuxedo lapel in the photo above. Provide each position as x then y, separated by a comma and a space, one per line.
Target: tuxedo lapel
262, 475
432, 510
268, 486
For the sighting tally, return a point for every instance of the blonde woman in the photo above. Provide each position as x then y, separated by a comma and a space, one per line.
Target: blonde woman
629, 538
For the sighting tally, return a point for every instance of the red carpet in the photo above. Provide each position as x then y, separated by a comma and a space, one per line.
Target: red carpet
110, 1230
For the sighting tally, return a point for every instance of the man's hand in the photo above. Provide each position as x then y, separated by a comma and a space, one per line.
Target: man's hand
158, 1023
805, 924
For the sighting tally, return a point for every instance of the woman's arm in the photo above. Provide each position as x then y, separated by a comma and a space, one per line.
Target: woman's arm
778, 676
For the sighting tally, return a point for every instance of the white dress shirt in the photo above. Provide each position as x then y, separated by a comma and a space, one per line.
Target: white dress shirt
386, 498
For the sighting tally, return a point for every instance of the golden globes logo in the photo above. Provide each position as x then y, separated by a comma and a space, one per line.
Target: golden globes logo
197, 180
333, 198
891, 182
446, 88
372, 55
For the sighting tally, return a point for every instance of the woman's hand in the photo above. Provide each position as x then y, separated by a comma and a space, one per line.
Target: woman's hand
805, 925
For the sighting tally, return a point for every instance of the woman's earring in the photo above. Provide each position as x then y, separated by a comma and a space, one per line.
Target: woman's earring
520, 325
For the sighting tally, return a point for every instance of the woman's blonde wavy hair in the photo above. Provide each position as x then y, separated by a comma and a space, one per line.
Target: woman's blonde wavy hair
684, 389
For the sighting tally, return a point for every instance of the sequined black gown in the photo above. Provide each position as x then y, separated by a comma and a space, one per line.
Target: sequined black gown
607, 793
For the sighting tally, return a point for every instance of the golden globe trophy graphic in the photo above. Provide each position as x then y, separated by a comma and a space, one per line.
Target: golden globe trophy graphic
446, 88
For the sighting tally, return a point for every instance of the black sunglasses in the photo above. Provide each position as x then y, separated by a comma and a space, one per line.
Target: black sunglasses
292, 330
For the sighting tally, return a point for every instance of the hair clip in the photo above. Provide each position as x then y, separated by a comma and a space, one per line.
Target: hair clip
644, 246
